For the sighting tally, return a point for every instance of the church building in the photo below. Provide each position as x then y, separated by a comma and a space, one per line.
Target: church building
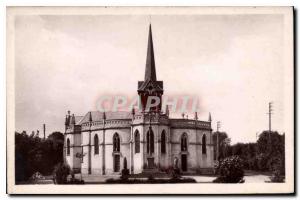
147, 140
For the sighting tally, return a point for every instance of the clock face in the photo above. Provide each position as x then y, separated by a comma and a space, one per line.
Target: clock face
150, 89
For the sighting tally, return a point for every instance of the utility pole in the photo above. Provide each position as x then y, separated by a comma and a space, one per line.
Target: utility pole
218, 127
256, 144
270, 115
44, 131
270, 122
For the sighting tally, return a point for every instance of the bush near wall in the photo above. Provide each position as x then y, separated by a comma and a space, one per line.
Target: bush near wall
230, 170
60, 173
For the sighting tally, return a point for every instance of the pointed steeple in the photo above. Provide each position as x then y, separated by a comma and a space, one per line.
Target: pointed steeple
167, 110
90, 117
209, 117
196, 116
150, 72
73, 119
67, 121
150, 86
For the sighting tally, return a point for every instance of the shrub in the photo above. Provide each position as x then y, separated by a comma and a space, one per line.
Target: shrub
168, 170
76, 181
151, 178
181, 180
277, 177
60, 173
125, 171
277, 170
230, 170
216, 167
176, 173
125, 174
277, 164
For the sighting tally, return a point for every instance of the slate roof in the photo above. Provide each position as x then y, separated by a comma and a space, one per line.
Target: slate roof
98, 116
157, 85
78, 118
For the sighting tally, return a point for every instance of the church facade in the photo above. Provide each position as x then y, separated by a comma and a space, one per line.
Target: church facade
148, 140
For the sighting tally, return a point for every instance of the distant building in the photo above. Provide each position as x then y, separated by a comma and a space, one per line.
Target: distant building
150, 141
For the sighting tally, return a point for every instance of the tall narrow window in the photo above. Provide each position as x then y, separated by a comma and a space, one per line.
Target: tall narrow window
116, 142
184, 142
68, 146
204, 144
150, 141
137, 141
96, 143
163, 142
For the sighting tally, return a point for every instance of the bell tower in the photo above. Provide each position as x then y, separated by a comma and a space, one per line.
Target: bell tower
150, 87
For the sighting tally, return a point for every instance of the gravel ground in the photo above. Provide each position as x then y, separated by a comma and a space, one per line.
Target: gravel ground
94, 179
248, 179
256, 179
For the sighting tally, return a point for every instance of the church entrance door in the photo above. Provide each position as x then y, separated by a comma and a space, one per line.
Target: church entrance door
184, 162
150, 163
116, 163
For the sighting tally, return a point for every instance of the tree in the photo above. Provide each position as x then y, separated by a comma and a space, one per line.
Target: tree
247, 152
25, 161
125, 171
56, 147
224, 143
33, 154
267, 154
271, 150
60, 173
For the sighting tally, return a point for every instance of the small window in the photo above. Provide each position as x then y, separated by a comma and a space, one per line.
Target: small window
137, 141
96, 144
184, 142
163, 142
204, 144
150, 141
68, 146
116, 142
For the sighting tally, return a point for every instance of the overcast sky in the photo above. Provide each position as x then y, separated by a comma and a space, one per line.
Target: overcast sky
232, 63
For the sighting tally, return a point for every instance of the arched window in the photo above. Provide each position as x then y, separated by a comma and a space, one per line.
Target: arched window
204, 144
116, 142
96, 143
150, 141
163, 142
137, 141
68, 146
184, 142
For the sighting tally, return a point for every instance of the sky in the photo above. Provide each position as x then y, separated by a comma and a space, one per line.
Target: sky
232, 63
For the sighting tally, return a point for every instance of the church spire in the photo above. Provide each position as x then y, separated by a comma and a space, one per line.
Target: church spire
209, 117
150, 73
150, 86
